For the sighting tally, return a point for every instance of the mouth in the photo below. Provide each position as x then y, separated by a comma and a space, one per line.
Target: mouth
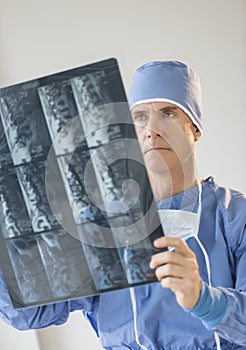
155, 149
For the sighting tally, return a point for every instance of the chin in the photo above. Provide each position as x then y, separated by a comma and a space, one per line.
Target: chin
155, 163
157, 168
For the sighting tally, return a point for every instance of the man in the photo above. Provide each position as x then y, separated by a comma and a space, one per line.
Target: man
200, 301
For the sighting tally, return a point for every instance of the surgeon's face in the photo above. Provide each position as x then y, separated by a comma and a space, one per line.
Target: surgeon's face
166, 135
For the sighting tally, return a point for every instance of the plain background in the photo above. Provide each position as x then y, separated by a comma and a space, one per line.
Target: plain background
43, 37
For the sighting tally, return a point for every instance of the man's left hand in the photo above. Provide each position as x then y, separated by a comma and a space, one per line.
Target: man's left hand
178, 270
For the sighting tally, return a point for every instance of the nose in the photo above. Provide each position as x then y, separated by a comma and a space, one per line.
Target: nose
152, 128
150, 134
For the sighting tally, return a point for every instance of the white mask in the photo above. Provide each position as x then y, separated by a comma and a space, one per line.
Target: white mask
181, 223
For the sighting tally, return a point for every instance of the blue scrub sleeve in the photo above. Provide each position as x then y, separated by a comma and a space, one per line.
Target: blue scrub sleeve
232, 326
37, 317
223, 311
210, 307
226, 315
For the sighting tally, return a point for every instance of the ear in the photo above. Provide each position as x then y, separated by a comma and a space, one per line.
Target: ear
197, 133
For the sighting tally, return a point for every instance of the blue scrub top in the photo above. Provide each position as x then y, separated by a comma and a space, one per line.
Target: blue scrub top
161, 322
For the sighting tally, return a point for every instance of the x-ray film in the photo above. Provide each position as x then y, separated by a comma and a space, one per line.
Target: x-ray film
77, 215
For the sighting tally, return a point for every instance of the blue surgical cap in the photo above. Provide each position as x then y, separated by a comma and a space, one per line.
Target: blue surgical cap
168, 81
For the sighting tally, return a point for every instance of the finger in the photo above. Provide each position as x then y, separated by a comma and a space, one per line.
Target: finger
168, 270
172, 283
178, 243
188, 272
166, 257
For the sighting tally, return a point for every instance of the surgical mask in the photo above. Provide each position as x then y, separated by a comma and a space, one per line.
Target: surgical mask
185, 224
181, 223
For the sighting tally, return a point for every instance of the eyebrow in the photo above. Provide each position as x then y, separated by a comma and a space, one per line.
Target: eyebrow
164, 109
167, 109
140, 111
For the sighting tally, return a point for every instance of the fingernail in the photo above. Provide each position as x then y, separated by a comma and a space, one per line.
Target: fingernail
157, 241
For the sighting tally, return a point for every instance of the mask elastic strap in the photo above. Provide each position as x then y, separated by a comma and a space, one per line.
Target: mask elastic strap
206, 257
199, 210
205, 254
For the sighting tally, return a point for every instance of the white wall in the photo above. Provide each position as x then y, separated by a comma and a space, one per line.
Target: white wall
41, 37
11, 339
75, 335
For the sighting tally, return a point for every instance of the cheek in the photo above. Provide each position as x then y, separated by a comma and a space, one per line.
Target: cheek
181, 143
190, 141
189, 132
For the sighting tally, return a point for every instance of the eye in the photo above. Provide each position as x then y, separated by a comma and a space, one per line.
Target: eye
139, 117
167, 115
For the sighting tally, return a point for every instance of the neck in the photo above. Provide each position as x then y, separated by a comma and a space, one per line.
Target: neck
170, 183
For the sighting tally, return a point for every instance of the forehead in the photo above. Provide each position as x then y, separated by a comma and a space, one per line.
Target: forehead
156, 106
